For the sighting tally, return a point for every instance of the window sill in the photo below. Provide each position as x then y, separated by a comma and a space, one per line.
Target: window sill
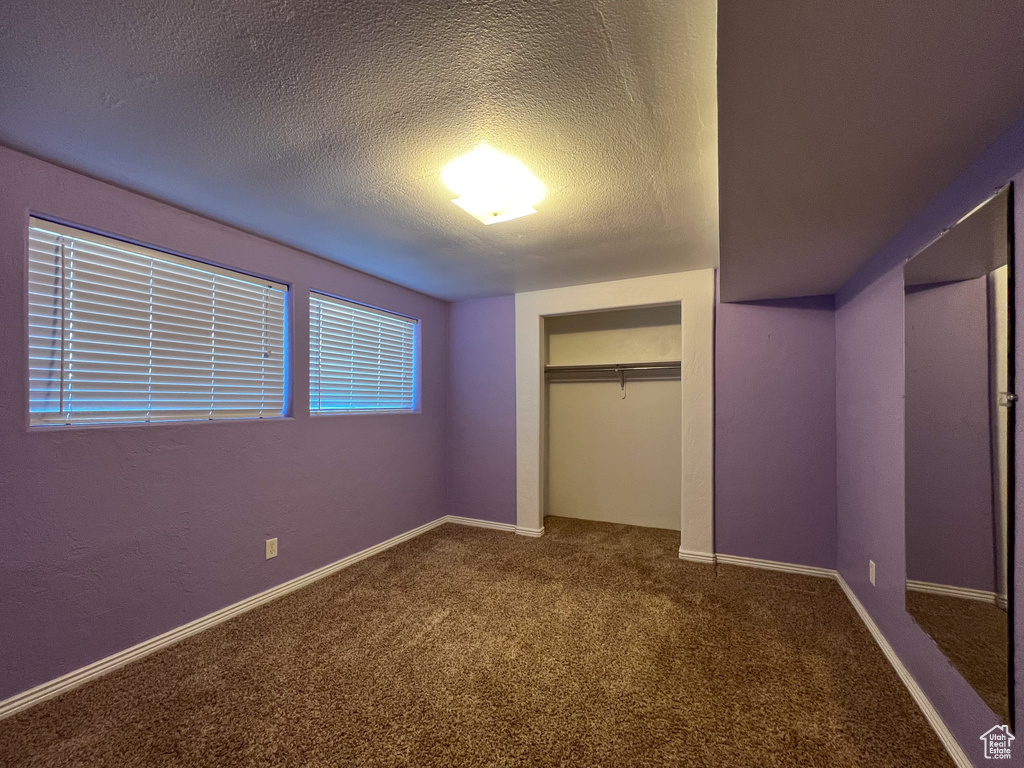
397, 412
136, 424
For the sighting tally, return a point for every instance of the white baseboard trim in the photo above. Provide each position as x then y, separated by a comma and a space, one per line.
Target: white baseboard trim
78, 677
965, 593
930, 713
697, 557
475, 523
64, 683
916, 692
774, 565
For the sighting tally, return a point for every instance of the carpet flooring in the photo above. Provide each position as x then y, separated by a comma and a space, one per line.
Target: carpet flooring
975, 637
591, 646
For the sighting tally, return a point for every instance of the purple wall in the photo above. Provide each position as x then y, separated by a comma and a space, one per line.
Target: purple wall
870, 443
775, 461
111, 535
482, 436
950, 532
775, 417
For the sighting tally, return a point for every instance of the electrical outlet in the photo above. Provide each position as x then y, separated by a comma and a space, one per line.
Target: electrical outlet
272, 551
871, 567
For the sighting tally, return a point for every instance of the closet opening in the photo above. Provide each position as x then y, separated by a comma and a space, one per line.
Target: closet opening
613, 426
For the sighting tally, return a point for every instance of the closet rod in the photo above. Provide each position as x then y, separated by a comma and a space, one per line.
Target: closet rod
659, 371
667, 365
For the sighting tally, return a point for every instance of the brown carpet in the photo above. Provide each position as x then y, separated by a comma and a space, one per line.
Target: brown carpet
592, 646
975, 637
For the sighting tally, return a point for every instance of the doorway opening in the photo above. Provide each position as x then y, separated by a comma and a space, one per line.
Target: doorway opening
613, 432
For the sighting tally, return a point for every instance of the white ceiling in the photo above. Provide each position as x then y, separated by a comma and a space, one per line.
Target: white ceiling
973, 248
841, 119
324, 125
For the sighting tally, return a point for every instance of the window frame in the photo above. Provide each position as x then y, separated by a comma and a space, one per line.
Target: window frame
417, 326
146, 250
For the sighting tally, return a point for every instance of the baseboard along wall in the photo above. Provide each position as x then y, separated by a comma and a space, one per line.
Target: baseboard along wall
697, 557
931, 714
952, 746
774, 565
964, 593
78, 677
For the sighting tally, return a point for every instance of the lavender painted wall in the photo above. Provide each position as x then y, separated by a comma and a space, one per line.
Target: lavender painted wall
482, 475
775, 417
950, 531
775, 404
111, 535
870, 443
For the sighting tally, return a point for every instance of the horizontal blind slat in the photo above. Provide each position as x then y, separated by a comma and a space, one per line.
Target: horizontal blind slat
46, 232
121, 333
361, 358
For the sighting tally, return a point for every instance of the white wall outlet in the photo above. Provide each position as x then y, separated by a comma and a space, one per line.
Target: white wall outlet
272, 552
871, 567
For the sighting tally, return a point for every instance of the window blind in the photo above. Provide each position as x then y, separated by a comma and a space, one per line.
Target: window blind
360, 358
122, 333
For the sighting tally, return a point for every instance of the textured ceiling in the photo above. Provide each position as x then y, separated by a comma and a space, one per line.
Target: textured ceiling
325, 124
840, 120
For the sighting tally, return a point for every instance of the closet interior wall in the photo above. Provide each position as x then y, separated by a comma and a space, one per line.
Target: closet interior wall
613, 451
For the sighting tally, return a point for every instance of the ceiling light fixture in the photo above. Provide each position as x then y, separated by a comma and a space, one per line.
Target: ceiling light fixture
493, 186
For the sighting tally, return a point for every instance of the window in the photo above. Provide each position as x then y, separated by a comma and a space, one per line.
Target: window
360, 358
121, 333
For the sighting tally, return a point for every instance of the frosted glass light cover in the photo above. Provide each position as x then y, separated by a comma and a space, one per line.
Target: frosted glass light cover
492, 186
